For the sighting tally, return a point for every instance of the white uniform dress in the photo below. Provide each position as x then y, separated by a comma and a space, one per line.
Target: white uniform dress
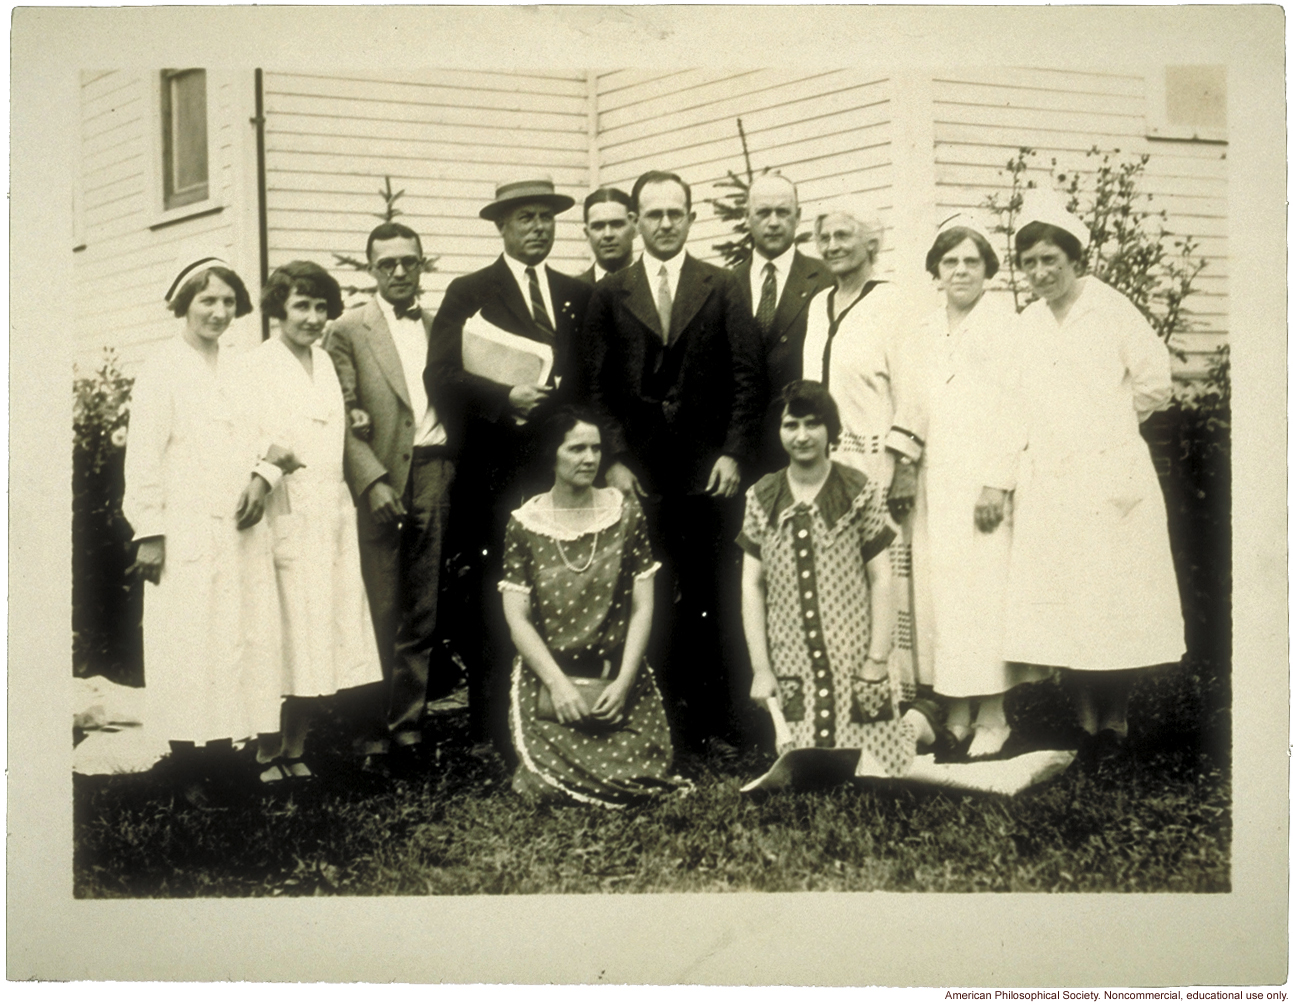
328, 641
859, 357
212, 650
1092, 584
957, 416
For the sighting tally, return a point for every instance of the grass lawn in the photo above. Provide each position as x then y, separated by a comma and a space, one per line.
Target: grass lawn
1160, 822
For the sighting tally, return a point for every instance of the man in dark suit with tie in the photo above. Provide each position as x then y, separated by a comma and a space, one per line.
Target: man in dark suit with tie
776, 286
494, 421
674, 364
399, 464
609, 225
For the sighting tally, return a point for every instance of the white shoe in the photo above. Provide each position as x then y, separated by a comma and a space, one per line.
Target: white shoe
988, 740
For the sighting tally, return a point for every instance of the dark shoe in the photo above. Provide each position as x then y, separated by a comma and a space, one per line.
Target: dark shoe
945, 745
377, 767
1109, 747
1083, 756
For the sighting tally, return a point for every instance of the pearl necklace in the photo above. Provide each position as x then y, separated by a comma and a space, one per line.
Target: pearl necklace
552, 505
591, 555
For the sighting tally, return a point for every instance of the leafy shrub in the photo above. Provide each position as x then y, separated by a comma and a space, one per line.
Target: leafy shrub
106, 603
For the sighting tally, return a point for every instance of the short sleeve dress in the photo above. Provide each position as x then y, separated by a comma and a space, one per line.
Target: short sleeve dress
814, 557
581, 588
852, 352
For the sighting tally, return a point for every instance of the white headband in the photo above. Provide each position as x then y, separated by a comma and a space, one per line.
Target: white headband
189, 271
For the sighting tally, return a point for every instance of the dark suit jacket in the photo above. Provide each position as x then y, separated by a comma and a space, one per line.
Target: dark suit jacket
781, 349
588, 275
673, 410
493, 294
495, 453
372, 378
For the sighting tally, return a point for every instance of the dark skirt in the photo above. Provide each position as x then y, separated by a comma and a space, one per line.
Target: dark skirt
612, 768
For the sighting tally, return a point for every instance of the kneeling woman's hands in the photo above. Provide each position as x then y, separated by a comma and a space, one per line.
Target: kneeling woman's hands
610, 706
568, 703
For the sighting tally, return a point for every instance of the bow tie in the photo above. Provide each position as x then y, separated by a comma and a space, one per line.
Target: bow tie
413, 311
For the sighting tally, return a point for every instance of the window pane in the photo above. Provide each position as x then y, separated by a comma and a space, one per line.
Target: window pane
184, 135
1196, 96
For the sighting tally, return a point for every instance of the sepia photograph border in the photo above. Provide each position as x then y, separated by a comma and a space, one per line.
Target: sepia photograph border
854, 939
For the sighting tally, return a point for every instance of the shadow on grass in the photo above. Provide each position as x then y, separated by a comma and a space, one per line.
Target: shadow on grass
1158, 822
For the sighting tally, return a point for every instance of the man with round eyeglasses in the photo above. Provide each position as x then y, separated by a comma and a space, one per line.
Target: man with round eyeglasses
400, 463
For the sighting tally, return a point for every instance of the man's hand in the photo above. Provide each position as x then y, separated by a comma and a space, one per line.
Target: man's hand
990, 510
282, 458
150, 557
724, 478
619, 476
384, 504
361, 424
251, 504
902, 491
524, 398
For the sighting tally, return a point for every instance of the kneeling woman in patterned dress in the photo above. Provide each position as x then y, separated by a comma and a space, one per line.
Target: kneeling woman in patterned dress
816, 598
586, 716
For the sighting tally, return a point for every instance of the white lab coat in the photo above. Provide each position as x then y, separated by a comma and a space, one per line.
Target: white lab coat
1091, 584
328, 640
212, 650
957, 399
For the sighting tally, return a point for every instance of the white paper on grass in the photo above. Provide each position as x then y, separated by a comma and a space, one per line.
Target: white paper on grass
500, 356
1006, 777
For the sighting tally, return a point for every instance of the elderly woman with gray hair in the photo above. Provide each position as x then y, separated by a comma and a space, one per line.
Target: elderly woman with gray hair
854, 329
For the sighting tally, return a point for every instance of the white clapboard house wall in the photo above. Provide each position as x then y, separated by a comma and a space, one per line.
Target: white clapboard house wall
914, 146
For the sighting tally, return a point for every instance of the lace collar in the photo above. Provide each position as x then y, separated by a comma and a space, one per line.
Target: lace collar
536, 516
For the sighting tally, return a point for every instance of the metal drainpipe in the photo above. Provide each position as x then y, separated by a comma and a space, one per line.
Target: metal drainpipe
262, 217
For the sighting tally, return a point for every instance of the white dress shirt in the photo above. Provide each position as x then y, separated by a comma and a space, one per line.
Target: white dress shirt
673, 268
523, 281
411, 343
783, 262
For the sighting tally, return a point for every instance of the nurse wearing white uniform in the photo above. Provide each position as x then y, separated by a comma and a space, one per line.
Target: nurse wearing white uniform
292, 392
1092, 587
212, 654
956, 442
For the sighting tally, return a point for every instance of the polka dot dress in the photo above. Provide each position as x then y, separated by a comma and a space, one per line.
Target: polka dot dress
581, 588
819, 612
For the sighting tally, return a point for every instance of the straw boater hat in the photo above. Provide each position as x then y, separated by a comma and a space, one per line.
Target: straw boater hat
512, 193
1045, 205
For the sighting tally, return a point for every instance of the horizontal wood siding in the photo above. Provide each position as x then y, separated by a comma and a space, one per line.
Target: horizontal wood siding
829, 131
445, 137
982, 117
124, 268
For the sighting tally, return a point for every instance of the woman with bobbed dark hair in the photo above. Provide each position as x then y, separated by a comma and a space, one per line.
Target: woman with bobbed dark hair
212, 654
816, 600
586, 717
295, 400
956, 445
1092, 589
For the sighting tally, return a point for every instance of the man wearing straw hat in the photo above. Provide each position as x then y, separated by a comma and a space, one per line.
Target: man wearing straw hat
516, 295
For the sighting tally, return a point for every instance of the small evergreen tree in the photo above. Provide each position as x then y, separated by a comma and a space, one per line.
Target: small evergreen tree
389, 212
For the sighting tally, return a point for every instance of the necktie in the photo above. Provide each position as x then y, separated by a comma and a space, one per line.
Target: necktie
767, 299
664, 302
536, 302
413, 310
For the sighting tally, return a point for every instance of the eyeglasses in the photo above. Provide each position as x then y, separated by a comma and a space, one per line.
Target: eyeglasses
389, 265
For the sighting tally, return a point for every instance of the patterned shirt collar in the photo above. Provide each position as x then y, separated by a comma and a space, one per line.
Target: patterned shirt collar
842, 486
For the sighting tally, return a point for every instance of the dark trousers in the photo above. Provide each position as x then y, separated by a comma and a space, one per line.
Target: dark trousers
696, 636
401, 570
